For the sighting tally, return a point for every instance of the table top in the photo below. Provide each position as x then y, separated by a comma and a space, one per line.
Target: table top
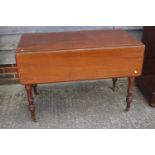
59, 41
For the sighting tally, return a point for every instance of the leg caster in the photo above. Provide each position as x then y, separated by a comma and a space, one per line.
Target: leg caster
114, 83
131, 83
31, 105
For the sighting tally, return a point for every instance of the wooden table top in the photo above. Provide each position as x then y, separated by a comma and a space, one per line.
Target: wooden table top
59, 41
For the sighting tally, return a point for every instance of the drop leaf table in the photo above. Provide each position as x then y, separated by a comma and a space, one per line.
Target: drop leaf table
74, 56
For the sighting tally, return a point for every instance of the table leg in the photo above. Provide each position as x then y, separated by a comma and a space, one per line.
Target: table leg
114, 83
131, 83
31, 106
35, 89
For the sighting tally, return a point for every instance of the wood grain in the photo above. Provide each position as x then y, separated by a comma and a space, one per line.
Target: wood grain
45, 67
76, 40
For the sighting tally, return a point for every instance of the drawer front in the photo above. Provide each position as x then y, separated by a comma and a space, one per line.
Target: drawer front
46, 67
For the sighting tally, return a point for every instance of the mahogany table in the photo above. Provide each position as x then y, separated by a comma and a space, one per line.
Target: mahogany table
73, 56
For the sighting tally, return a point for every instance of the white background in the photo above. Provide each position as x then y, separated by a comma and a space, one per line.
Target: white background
77, 142
77, 13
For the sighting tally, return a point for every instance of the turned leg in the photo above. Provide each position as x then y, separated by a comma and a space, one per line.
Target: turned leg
35, 89
30, 99
131, 83
114, 83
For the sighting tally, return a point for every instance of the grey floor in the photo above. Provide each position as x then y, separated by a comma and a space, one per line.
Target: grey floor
90, 104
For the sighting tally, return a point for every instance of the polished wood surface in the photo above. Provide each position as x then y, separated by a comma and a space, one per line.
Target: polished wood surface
86, 64
74, 56
76, 40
